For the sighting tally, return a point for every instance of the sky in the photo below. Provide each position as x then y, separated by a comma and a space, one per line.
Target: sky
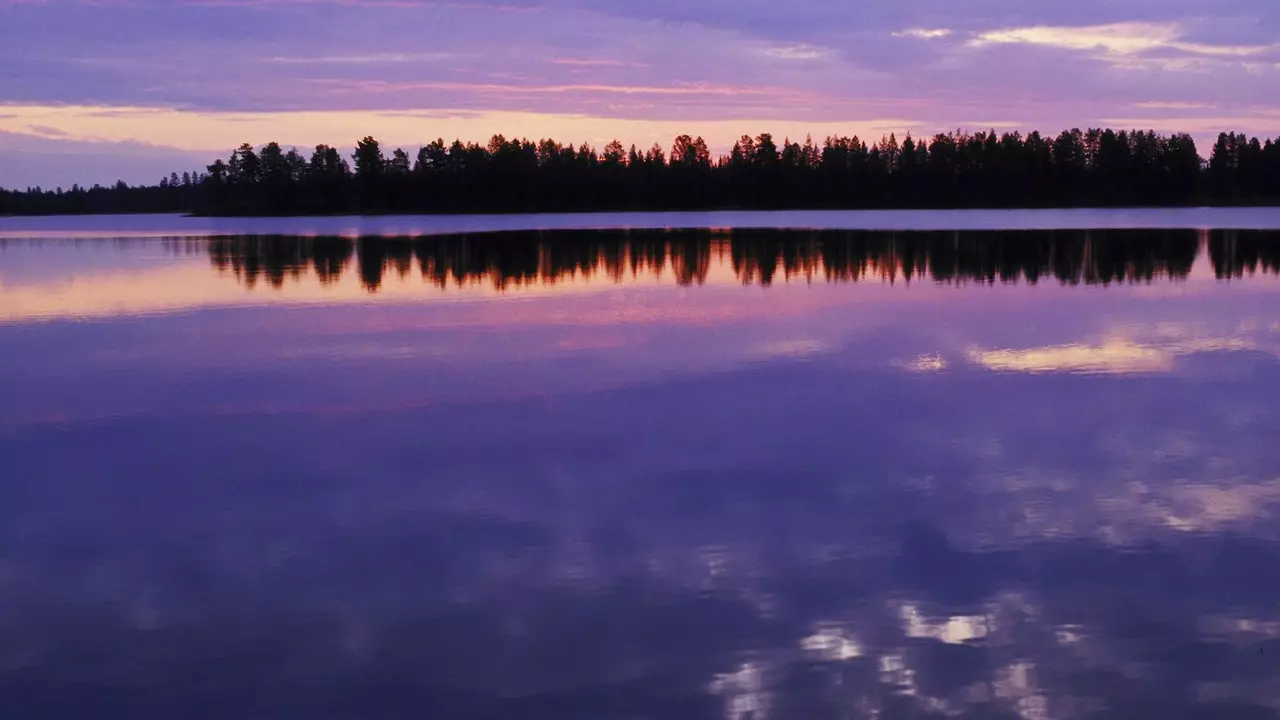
99, 90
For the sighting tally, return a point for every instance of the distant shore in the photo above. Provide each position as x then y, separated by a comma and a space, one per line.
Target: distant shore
985, 170
1206, 203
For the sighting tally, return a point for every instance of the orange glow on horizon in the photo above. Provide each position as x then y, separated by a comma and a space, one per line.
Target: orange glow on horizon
218, 132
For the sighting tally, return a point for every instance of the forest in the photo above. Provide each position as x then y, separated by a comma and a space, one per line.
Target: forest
1095, 168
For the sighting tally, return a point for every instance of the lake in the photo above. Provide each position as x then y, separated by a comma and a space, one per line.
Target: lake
1016, 464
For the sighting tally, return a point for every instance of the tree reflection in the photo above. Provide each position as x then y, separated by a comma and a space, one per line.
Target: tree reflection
506, 261
330, 258
273, 259
1236, 253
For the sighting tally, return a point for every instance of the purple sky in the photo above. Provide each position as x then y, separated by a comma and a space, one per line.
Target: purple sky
101, 89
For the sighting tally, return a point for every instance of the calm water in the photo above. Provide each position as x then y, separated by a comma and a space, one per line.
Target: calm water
637, 474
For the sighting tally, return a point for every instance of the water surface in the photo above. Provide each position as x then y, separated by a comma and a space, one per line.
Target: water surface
1202, 218
676, 474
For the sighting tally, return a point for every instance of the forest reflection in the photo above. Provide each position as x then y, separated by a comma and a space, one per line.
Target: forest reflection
506, 261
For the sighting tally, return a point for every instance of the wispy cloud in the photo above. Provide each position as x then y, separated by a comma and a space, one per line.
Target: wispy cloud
372, 59
214, 132
46, 130
1206, 126
1114, 39
800, 51
680, 89
1162, 105
596, 62
923, 33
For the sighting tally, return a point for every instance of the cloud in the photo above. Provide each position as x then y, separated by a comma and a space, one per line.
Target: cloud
795, 52
55, 159
694, 89
1114, 39
46, 130
923, 33
1174, 106
1205, 128
596, 62
1122, 38
371, 59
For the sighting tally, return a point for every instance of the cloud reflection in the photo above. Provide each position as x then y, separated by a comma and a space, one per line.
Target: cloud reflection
1111, 357
816, 539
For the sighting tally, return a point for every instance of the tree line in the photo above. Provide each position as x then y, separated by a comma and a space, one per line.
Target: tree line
1096, 167
517, 259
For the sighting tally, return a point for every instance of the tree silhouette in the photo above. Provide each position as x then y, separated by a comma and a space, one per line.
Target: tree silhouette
370, 168
1094, 167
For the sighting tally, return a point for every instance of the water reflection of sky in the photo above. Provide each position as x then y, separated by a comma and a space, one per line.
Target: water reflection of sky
644, 500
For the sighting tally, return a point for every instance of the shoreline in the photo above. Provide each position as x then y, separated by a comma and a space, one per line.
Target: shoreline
1202, 218
665, 211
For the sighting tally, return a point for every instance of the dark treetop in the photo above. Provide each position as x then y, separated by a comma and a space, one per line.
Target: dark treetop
1076, 168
